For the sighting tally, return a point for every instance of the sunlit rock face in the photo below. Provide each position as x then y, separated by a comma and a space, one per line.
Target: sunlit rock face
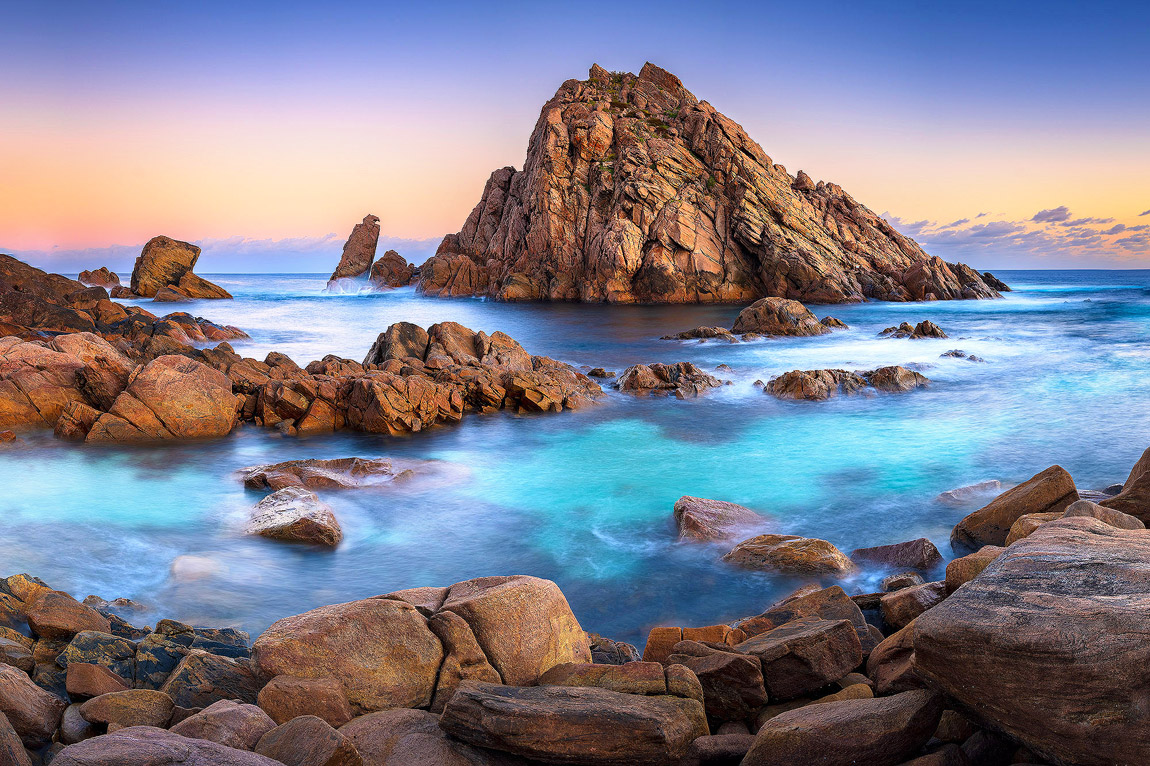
633, 190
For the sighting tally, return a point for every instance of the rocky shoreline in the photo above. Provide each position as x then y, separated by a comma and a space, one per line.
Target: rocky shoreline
1028, 651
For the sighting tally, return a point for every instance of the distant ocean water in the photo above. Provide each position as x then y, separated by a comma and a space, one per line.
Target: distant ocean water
585, 498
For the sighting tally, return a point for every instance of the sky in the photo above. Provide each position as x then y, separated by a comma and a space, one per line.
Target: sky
1006, 135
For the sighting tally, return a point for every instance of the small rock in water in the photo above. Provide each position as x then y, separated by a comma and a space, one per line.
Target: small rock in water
963, 494
681, 380
190, 567
338, 473
924, 329
599, 372
297, 515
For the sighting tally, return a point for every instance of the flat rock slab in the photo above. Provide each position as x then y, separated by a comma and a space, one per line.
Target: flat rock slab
1049, 642
295, 514
575, 725
147, 746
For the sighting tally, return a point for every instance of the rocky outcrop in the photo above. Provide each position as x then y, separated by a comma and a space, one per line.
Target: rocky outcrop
1047, 644
358, 251
297, 515
820, 385
1048, 491
778, 316
392, 270
633, 191
166, 264
700, 519
101, 277
682, 380
924, 329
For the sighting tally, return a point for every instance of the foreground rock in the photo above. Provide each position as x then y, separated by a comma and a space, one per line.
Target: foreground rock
297, 515
789, 554
674, 204
875, 732
1047, 644
1051, 490
682, 380
358, 251
924, 329
148, 746
584, 725
700, 519
820, 385
166, 264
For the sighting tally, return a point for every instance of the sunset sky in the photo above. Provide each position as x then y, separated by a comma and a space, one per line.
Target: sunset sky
1008, 135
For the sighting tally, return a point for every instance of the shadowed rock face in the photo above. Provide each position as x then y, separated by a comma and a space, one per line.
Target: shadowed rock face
359, 250
633, 190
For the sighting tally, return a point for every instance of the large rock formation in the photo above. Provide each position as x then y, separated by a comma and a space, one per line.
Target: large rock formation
358, 251
633, 190
164, 271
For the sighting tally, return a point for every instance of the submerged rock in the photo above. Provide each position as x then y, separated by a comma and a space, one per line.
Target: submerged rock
676, 205
682, 380
296, 515
700, 519
789, 554
924, 329
961, 495
704, 333
335, 473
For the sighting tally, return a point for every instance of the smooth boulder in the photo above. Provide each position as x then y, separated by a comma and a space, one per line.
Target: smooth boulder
297, 515
701, 519
778, 316
149, 746
1048, 491
789, 554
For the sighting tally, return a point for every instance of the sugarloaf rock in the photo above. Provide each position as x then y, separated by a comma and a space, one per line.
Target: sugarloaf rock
359, 250
634, 191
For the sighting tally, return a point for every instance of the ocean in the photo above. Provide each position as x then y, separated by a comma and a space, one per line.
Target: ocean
585, 498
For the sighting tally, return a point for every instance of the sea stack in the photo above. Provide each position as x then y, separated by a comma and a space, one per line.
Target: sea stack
163, 272
358, 251
634, 191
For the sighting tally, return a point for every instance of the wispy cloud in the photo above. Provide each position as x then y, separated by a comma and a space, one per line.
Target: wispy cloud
1144, 212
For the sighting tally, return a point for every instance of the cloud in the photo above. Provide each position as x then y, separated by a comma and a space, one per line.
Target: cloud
1117, 228
1054, 215
959, 222
1144, 212
1085, 221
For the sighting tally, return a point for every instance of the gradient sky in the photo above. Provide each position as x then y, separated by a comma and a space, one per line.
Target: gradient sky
1006, 134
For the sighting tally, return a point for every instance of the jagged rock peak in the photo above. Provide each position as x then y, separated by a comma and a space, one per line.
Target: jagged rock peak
359, 250
633, 190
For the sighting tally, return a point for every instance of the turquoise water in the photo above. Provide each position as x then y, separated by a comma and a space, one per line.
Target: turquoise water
585, 498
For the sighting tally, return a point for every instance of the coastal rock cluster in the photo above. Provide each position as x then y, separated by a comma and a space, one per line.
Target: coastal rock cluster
391, 270
634, 191
820, 385
1025, 653
767, 317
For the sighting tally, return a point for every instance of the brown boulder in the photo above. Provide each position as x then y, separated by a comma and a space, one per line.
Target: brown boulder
381, 651
523, 624
876, 732
54, 614
358, 251
172, 397
963, 570
682, 380
826, 604
1027, 523
87, 680
915, 554
338, 473
202, 678
629, 678
31, 711
788, 554
1134, 499
308, 741
701, 519
228, 723
17, 654
561, 724
891, 663
134, 707
895, 379
195, 286
101, 277
1102, 513
148, 746
463, 658
392, 270
924, 329
413, 738
778, 316
287, 697
661, 640
12, 752
733, 687
804, 654
1048, 491
163, 262
902, 606
296, 515
1046, 644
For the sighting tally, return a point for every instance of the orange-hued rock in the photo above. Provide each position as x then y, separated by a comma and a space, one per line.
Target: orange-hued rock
134, 707
584, 725
633, 190
172, 397
964, 569
286, 697
778, 316
1051, 490
409, 737
523, 624
87, 680
195, 286
701, 519
227, 722
820, 385
463, 658
358, 251
381, 650
163, 262
54, 614
682, 380
101, 277
308, 741
295, 514
789, 554
392, 270
1048, 644
31, 711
